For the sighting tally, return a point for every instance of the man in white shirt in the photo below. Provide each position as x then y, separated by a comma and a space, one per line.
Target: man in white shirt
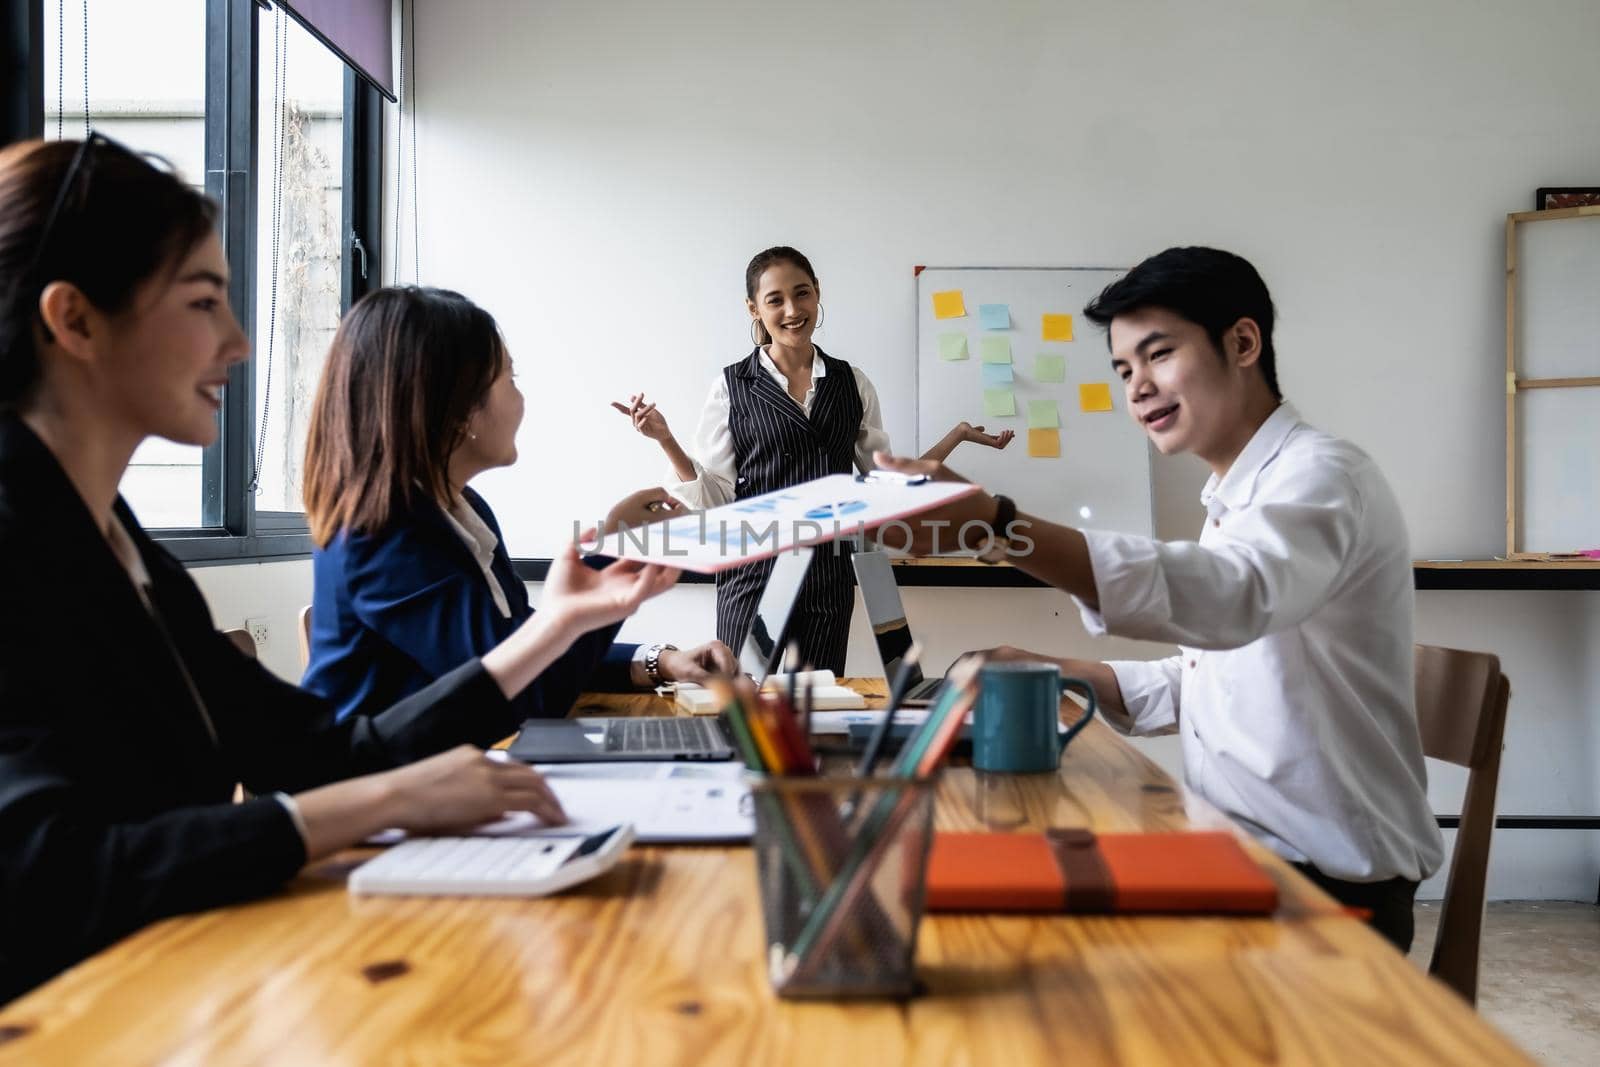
1293, 686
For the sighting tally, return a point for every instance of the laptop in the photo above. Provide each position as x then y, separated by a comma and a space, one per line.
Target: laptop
673, 737
762, 650
886, 613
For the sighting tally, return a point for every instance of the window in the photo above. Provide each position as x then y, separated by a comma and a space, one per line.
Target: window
143, 66
299, 188
290, 148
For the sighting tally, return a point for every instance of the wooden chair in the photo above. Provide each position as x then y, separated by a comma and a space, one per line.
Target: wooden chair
243, 641
305, 638
1461, 708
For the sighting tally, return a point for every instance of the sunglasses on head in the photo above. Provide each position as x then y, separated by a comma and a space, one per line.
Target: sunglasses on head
74, 188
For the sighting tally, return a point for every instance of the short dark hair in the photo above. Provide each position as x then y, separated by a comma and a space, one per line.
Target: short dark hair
1211, 288
407, 368
120, 224
758, 266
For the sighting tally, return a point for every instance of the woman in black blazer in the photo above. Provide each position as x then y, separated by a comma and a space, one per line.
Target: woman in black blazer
125, 718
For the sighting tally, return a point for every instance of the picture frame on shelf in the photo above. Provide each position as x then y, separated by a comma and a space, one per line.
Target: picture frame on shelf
1554, 197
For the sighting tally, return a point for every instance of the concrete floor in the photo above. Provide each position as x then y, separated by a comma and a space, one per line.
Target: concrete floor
1538, 975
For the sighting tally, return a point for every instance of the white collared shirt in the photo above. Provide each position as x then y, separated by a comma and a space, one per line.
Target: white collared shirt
1293, 691
481, 542
713, 453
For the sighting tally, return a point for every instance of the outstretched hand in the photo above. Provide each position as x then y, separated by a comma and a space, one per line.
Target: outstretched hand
976, 436
641, 509
940, 529
645, 418
587, 599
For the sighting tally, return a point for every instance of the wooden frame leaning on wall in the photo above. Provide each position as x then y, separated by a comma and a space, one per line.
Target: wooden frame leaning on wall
1516, 382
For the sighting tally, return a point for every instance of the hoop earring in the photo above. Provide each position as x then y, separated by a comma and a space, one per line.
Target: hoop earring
818, 326
755, 338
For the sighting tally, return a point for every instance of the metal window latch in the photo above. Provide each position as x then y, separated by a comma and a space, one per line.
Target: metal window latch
355, 243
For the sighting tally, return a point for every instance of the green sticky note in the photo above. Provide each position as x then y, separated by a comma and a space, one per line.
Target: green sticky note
1042, 415
995, 349
952, 346
999, 403
1049, 368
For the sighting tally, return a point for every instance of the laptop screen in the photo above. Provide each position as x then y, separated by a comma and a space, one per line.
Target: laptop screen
875, 577
763, 647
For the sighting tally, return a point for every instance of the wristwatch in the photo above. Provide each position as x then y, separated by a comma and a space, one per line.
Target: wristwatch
999, 545
652, 661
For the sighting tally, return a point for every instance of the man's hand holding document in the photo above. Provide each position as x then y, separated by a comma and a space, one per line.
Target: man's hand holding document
836, 507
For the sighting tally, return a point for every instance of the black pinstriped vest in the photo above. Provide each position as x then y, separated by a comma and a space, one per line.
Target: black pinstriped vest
776, 445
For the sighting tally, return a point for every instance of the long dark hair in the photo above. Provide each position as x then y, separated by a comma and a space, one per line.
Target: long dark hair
407, 368
114, 222
758, 266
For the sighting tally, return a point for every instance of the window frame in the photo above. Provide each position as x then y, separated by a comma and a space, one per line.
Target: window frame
233, 530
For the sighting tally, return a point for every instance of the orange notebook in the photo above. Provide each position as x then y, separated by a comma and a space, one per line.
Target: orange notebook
1077, 870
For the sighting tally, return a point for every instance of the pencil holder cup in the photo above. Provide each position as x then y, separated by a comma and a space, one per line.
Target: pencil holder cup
842, 864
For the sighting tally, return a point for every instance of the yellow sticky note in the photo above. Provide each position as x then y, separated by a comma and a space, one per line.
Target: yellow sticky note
949, 305
1095, 396
1057, 327
1044, 444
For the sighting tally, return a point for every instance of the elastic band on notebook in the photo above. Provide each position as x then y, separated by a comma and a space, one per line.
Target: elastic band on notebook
1088, 879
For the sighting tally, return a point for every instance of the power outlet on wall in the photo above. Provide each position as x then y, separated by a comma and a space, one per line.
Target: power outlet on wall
258, 631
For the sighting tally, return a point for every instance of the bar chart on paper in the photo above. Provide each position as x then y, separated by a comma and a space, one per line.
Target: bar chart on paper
1007, 348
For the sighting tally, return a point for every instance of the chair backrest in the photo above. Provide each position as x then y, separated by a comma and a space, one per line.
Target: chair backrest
1461, 709
305, 638
243, 641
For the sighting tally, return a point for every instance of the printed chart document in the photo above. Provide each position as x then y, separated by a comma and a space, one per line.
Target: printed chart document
666, 802
840, 505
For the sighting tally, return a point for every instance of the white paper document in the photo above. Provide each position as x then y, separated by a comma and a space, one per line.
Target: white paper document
840, 505
665, 802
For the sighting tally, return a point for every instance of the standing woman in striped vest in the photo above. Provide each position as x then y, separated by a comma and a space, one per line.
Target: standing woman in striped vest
784, 414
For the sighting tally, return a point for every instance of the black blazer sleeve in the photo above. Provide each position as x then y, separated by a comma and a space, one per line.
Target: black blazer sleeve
114, 794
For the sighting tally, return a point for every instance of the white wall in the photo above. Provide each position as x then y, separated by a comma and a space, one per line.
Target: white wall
272, 591
597, 174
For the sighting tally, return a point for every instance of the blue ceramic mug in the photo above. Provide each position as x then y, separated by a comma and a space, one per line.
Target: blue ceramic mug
1017, 726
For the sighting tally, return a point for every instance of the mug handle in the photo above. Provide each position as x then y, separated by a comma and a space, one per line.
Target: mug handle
1086, 690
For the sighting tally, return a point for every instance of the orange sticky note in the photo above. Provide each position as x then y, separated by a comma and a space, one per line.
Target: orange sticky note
1095, 396
1044, 444
1057, 328
949, 305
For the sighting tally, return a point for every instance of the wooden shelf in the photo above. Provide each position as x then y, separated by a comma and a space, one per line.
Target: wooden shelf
1506, 574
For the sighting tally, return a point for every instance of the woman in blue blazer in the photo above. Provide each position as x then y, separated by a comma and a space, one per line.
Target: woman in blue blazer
412, 577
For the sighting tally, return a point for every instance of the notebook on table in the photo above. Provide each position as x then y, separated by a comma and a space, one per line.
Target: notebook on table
1080, 871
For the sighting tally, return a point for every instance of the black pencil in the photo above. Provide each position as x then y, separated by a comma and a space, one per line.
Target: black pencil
897, 693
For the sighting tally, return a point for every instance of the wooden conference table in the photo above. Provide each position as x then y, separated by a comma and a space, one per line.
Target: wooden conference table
663, 961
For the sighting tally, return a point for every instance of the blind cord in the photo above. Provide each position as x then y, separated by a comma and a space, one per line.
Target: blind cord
416, 225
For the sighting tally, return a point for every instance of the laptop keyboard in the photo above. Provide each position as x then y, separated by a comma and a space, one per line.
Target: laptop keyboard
925, 688
662, 735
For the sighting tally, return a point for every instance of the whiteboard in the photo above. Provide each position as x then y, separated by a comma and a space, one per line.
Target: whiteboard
1101, 480
1558, 430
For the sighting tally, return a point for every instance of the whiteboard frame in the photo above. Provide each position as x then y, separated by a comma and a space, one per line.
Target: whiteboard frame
1515, 383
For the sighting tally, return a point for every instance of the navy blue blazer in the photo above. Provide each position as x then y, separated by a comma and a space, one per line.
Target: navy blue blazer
394, 610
